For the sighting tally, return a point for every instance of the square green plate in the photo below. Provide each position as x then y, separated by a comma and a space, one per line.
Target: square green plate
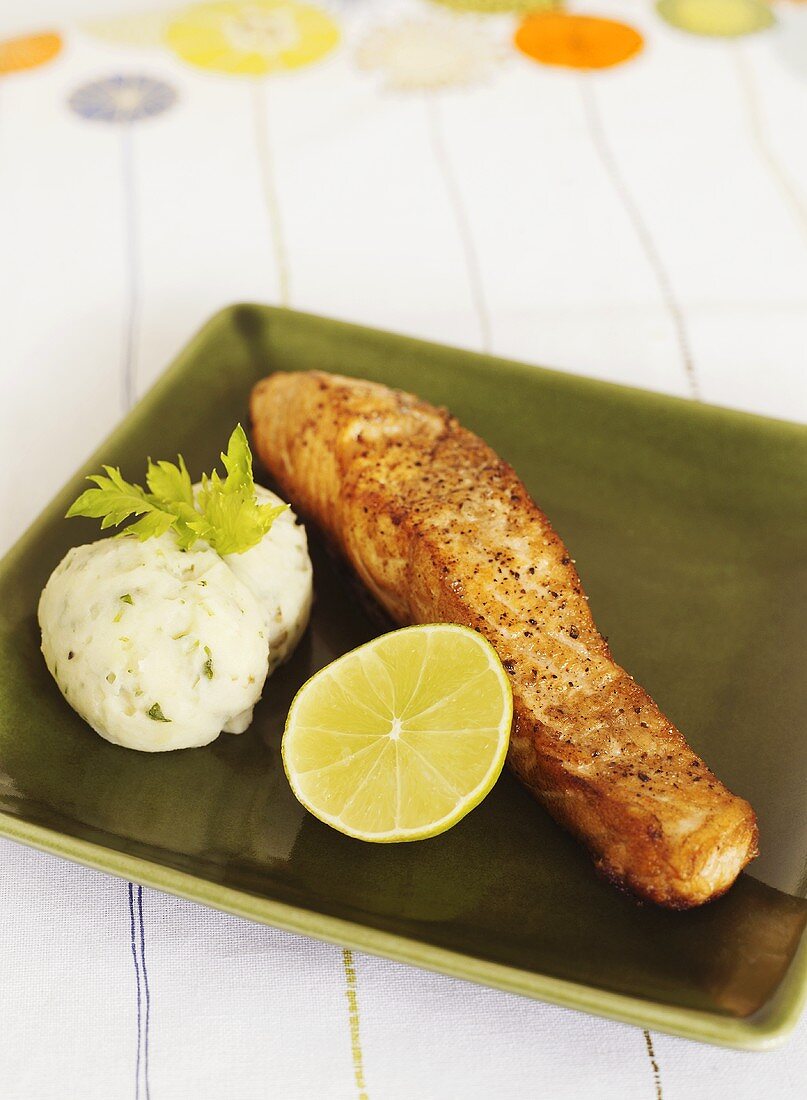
689, 527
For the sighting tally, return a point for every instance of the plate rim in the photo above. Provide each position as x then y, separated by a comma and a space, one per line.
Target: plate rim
766, 1033
768, 1029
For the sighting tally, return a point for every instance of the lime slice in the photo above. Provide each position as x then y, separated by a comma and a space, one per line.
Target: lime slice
401, 738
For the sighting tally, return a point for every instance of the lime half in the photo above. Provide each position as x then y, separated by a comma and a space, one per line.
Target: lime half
399, 739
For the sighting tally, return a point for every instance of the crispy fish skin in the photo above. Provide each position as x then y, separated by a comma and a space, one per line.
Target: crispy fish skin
439, 528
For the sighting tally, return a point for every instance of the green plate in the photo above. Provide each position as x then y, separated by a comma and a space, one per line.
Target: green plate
690, 531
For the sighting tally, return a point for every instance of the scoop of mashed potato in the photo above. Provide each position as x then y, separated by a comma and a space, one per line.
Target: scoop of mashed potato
278, 573
155, 648
159, 648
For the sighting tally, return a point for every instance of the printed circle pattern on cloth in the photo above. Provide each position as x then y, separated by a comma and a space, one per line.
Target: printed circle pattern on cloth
577, 41
717, 18
426, 54
28, 52
142, 30
252, 39
122, 99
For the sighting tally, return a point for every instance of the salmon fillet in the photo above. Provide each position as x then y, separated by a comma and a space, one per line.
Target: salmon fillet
440, 529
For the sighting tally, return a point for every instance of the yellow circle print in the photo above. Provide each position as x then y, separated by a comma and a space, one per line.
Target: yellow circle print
252, 38
719, 18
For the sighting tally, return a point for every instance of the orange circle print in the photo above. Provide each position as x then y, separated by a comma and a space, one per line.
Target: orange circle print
28, 52
577, 41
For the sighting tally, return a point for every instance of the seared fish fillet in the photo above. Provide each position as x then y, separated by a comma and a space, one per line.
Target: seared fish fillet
440, 529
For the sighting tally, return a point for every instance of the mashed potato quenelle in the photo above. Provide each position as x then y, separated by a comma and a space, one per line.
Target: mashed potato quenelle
159, 648
278, 573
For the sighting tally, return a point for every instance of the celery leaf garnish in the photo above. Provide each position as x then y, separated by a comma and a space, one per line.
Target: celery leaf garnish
224, 511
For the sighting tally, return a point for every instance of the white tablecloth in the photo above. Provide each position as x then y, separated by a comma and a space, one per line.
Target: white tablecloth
646, 224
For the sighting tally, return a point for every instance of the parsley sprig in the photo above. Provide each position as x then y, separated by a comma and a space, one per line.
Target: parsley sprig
224, 511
